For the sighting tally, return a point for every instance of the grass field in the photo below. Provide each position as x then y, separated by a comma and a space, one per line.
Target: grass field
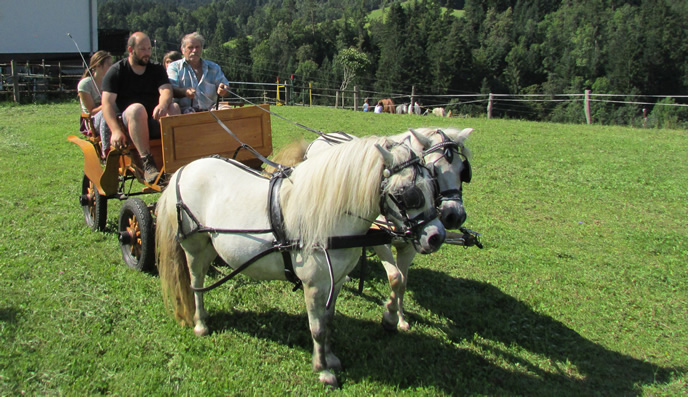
379, 13
581, 289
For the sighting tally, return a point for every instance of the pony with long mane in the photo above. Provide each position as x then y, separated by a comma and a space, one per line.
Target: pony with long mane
214, 207
447, 158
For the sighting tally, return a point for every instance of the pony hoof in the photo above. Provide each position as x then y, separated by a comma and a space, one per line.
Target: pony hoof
329, 379
404, 326
200, 331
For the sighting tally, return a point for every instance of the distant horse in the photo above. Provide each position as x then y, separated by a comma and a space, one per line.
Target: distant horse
387, 105
415, 109
402, 109
446, 156
438, 112
214, 207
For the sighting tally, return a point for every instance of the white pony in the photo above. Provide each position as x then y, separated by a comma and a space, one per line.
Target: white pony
215, 207
446, 157
438, 112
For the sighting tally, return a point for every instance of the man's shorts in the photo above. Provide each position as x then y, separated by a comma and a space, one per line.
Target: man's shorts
153, 127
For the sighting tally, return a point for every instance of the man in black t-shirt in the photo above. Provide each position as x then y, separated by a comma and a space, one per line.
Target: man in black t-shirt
141, 92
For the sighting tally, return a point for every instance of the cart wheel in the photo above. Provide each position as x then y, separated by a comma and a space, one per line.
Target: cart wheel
94, 205
136, 235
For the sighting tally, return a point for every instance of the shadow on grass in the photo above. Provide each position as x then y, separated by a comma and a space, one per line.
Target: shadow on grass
8, 322
581, 367
409, 360
8, 315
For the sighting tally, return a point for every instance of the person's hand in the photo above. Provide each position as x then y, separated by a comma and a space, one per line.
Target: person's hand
190, 93
118, 140
222, 89
159, 111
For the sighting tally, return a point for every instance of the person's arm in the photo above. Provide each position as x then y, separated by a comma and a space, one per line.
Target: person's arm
87, 91
181, 92
118, 139
88, 102
166, 98
173, 76
224, 84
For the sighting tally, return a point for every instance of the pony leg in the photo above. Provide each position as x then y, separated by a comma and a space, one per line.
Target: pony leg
405, 255
390, 317
199, 262
320, 323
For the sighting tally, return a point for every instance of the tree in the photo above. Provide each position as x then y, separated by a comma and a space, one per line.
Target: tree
495, 43
350, 61
392, 36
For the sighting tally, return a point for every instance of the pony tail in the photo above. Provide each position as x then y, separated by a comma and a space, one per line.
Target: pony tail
171, 260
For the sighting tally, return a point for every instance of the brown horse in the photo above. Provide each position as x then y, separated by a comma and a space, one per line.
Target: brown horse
387, 105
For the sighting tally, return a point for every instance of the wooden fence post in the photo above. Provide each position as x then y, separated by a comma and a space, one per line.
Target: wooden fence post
355, 98
59, 75
287, 93
489, 107
588, 116
15, 81
310, 94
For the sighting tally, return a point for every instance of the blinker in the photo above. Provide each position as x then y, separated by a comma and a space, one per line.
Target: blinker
411, 197
466, 172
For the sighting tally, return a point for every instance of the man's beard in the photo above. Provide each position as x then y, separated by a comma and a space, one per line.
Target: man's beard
140, 61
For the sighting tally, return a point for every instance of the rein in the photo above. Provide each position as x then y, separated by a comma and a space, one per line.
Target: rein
320, 133
242, 145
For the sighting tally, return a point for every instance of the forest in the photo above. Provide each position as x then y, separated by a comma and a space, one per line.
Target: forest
637, 48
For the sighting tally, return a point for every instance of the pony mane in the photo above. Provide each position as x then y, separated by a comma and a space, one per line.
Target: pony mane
342, 181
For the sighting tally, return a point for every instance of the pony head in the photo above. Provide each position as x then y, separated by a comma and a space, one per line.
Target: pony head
345, 184
448, 161
407, 198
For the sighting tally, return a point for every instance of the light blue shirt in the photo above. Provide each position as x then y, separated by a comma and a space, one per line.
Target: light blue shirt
181, 75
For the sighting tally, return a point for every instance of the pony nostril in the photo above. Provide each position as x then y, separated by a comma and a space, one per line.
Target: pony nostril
435, 241
451, 221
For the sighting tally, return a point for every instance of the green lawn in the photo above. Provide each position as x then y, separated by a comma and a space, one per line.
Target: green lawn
581, 288
380, 13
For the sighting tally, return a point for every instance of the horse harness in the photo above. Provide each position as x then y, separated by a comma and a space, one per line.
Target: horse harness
409, 198
448, 148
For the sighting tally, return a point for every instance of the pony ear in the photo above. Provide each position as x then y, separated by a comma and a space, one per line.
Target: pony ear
424, 140
386, 155
466, 131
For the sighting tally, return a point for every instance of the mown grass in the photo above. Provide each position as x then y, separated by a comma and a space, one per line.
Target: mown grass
581, 288
380, 13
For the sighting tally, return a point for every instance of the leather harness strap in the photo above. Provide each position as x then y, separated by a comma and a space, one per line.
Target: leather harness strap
277, 225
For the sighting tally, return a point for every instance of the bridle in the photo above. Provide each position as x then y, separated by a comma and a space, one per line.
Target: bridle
448, 148
408, 198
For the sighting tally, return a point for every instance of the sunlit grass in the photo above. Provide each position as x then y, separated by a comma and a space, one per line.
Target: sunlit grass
581, 288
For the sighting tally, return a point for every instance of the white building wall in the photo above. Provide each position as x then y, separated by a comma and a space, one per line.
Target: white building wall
41, 26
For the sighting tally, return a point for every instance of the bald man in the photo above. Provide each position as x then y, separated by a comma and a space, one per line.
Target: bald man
141, 93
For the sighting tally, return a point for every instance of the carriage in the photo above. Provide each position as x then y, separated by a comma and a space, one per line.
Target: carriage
299, 228
184, 138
